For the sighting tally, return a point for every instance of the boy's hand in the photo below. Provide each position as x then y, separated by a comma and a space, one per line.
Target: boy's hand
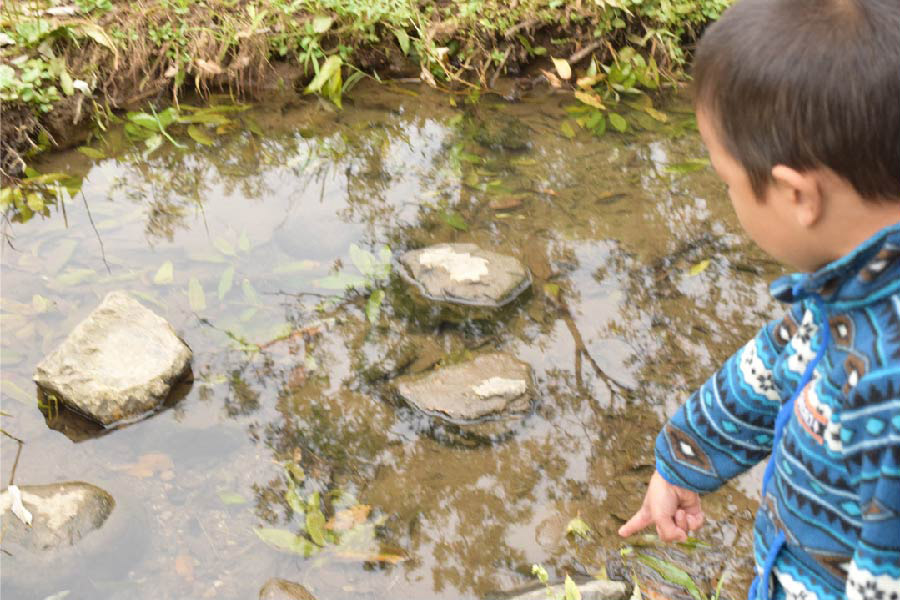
675, 511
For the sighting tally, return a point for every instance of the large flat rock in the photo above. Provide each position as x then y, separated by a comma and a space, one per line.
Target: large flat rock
117, 364
62, 514
465, 274
491, 384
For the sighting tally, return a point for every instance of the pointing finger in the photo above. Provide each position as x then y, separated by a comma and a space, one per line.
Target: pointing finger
640, 520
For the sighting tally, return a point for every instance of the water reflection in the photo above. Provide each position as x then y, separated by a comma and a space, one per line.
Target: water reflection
618, 327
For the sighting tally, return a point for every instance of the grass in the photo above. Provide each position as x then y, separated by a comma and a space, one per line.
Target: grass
83, 59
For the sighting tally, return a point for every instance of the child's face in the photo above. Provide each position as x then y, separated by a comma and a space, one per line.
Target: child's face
767, 219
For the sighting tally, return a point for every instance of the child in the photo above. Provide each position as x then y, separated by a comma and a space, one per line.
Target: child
798, 103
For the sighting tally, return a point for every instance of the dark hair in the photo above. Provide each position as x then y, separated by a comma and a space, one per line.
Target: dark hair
806, 83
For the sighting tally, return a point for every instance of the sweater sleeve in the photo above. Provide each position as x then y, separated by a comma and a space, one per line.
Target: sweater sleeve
727, 425
870, 432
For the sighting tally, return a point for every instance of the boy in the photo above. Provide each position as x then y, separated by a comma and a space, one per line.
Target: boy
798, 103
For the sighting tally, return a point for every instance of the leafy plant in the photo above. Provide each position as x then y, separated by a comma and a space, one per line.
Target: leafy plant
349, 533
571, 591
373, 273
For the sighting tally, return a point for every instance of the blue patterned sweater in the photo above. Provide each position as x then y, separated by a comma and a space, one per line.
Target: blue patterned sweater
829, 521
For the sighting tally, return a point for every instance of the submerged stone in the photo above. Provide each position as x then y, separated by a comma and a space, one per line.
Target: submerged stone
590, 590
465, 274
282, 589
117, 364
62, 514
492, 384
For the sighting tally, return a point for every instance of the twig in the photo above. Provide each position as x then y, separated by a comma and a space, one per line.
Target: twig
577, 56
97, 233
20, 443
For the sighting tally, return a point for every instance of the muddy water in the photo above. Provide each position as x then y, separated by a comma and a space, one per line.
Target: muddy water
618, 328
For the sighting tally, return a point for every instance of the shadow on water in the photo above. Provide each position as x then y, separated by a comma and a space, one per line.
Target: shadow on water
641, 285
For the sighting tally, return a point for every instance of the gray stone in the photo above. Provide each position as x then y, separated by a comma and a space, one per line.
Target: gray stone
492, 384
590, 590
117, 364
62, 514
465, 274
282, 589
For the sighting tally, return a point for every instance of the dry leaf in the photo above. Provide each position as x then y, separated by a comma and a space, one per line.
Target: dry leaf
349, 518
562, 67
209, 68
589, 82
590, 99
552, 79
148, 465
184, 566
372, 556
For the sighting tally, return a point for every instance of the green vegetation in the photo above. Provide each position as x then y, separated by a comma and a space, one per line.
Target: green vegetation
85, 58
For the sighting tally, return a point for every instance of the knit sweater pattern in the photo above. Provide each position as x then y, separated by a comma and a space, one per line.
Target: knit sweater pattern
835, 488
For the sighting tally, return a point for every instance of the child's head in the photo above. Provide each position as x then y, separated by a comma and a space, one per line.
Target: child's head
799, 87
807, 83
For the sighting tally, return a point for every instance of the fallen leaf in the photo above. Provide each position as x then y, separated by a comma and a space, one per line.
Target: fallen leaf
165, 275
591, 99
552, 79
348, 518
315, 526
196, 296
387, 557
210, 68
285, 540
148, 465
184, 566
562, 67
578, 527
699, 267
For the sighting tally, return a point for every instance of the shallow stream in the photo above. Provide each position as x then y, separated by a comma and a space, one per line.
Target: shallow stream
624, 318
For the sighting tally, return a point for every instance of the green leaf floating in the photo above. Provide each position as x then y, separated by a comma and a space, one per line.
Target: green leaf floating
165, 275
226, 281
198, 135
196, 296
285, 540
373, 306
672, 574
315, 526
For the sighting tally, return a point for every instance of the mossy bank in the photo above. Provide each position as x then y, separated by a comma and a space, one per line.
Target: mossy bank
65, 64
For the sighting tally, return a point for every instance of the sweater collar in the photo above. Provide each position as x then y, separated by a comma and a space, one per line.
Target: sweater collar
869, 272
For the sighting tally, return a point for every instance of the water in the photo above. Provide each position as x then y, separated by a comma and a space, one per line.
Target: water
616, 327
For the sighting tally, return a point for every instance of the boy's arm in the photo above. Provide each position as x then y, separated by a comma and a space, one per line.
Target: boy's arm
727, 425
724, 428
870, 428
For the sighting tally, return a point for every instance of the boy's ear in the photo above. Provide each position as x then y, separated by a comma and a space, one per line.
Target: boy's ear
800, 194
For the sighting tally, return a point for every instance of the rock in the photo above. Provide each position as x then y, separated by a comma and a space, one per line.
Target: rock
492, 384
62, 514
465, 274
282, 589
590, 590
117, 364
501, 132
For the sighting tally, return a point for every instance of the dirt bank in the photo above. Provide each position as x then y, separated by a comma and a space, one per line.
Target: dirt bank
66, 66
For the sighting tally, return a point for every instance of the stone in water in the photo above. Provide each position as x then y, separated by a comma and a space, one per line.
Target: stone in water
472, 390
465, 274
118, 364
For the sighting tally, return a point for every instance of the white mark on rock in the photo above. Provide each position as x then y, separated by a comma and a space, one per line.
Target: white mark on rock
499, 386
461, 266
59, 508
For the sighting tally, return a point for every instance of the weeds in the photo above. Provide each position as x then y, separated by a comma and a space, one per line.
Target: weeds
120, 54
